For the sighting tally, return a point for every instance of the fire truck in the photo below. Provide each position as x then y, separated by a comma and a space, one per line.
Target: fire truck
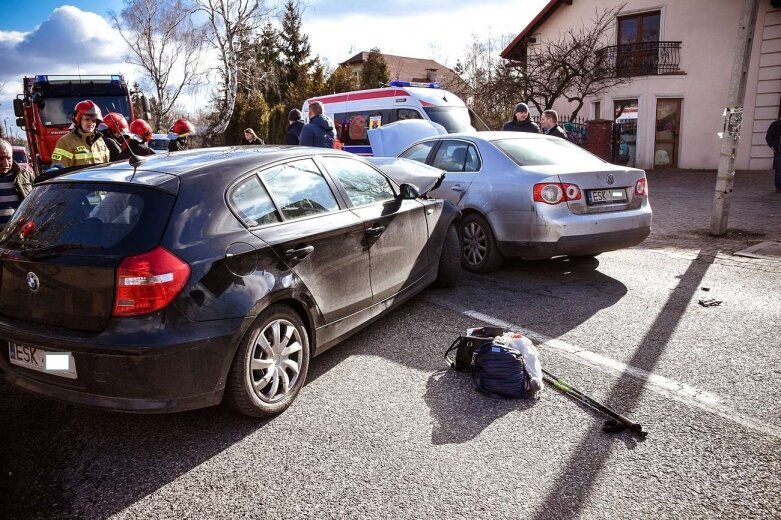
44, 109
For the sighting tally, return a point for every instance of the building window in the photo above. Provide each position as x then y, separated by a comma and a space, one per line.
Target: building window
639, 28
598, 110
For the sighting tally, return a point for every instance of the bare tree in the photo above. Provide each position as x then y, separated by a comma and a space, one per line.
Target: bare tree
230, 22
163, 41
571, 66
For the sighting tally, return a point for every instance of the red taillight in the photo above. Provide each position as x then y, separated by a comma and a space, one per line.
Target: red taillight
641, 187
554, 192
149, 282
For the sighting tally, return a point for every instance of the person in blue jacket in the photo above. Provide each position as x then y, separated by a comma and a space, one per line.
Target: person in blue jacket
319, 131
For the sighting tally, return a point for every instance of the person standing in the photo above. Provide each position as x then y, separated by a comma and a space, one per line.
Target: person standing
550, 124
773, 140
16, 182
250, 137
521, 122
295, 125
179, 132
113, 126
319, 131
140, 135
83, 145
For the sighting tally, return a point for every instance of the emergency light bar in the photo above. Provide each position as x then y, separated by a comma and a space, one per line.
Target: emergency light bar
413, 84
116, 79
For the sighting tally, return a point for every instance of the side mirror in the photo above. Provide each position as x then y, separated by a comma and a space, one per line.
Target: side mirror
408, 191
18, 108
20, 122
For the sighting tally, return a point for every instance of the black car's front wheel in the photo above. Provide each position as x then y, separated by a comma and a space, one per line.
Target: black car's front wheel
271, 364
478, 246
449, 263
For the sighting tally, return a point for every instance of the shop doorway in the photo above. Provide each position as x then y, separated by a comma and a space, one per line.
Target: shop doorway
668, 131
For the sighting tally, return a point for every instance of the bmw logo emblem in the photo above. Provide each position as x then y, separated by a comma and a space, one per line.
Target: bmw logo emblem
610, 179
32, 282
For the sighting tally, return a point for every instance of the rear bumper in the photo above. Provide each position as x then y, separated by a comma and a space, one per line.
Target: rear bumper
575, 245
185, 369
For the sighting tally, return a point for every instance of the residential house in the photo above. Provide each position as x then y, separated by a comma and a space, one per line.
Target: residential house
402, 68
679, 55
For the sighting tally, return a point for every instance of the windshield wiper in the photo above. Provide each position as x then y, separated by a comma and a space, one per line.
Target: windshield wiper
42, 252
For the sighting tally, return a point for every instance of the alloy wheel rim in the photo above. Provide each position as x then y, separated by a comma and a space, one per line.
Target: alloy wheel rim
275, 362
475, 243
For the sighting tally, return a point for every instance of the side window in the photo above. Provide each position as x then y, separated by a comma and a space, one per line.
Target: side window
407, 113
451, 156
352, 127
419, 152
299, 189
252, 203
363, 184
472, 160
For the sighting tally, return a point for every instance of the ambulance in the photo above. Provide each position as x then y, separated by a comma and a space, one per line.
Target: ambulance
355, 113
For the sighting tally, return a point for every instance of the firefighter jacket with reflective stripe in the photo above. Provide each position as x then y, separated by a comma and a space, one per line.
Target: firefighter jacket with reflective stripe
78, 149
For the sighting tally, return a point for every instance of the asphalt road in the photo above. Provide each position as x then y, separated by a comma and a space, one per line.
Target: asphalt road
382, 430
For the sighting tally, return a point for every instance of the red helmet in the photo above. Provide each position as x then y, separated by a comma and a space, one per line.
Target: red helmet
115, 122
142, 129
86, 107
182, 127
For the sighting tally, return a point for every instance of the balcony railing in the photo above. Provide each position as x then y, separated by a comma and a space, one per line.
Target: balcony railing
641, 59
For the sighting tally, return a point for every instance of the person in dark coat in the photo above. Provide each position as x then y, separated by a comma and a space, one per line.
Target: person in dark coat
550, 124
16, 182
295, 125
319, 131
140, 134
773, 140
521, 121
250, 137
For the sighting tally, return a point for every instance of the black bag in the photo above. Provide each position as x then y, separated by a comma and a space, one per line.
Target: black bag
499, 371
465, 346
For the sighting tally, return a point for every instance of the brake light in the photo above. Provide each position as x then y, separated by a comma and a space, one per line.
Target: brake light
555, 192
149, 282
641, 187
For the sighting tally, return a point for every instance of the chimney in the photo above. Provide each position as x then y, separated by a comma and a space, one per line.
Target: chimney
431, 75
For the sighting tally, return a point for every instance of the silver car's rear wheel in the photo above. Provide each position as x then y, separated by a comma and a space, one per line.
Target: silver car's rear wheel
479, 253
271, 365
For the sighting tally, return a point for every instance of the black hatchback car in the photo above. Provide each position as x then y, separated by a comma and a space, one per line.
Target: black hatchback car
208, 274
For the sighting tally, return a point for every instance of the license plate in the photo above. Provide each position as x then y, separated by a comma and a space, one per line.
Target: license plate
54, 363
606, 196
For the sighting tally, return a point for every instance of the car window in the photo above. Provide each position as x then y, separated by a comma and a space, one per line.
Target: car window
407, 113
363, 184
419, 152
299, 189
115, 218
542, 152
252, 203
456, 156
20, 156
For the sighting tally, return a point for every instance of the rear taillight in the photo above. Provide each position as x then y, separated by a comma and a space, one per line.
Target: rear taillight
641, 187
554, 192
149, 282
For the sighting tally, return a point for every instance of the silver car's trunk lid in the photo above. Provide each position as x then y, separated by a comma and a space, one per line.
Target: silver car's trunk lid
611, 189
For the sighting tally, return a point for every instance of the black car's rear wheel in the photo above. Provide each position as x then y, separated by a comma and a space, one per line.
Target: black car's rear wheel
479, 252
271, 364
449, 260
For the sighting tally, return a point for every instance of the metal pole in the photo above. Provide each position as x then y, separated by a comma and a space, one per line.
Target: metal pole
729, 142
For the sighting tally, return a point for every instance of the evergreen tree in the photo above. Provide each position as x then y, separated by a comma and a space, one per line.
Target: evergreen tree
294, 46
268, 60
342, 79
251, 111
375, 71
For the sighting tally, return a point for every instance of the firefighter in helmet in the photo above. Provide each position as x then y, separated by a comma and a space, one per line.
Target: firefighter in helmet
83, 145
140, 134
113, 127
179, 132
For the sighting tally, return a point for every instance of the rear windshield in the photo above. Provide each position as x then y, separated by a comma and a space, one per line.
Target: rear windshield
20, 156
544, 152
104, 218
159, 144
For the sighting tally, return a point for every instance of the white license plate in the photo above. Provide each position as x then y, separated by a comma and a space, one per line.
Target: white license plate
54, 363
606, 196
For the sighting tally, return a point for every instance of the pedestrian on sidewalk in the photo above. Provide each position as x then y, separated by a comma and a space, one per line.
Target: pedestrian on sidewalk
550, 124
773, 140
521, 122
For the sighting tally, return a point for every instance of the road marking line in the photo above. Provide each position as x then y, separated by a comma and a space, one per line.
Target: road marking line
661, 385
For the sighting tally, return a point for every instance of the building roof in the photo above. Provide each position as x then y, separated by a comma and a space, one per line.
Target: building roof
517, 48
403, 68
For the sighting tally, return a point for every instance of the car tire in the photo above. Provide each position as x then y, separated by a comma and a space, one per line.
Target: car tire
271, 364
478, 246
449, 260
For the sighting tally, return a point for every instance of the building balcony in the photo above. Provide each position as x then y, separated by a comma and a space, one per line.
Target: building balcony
653, 58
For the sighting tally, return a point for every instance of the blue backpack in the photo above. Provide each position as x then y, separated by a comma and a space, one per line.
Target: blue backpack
499, 371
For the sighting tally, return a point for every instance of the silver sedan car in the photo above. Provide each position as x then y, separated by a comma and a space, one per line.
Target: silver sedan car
534, 197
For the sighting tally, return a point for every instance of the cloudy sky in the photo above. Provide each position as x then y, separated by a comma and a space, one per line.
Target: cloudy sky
56, 37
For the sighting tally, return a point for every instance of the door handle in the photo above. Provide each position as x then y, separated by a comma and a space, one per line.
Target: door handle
299, 254
457, 187
375, 231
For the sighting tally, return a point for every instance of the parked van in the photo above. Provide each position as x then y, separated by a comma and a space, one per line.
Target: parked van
354, 113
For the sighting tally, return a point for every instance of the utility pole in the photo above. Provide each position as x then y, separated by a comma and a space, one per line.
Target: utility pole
733, 117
